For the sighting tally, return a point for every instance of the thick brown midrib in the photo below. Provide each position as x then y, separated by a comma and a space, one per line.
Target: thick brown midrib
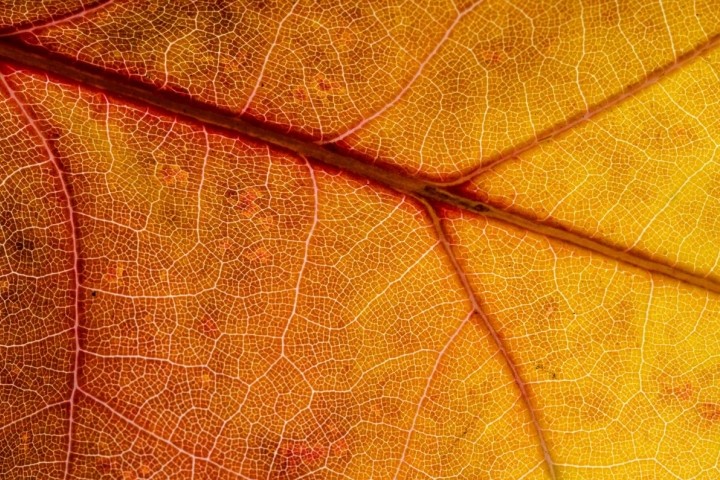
137, 92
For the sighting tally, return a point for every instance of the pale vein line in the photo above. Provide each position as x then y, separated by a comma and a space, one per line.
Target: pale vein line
159, 438
667, 27
390, 284
424, 395
31, 415
493, 333
18, 170
414, 78
202, 180
297, 290
267, 58
644, 334
305, 255
669, 201
76, 260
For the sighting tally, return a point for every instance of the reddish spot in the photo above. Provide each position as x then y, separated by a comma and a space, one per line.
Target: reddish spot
710, 411
114, 274
244, 201
682, 392
25, 442
299, 94
266, 223
104, 465
259, 255
172, 174
324, 85
208, 327
298, 455
144, 470
339, 448
129, 475
225, 244
493, 56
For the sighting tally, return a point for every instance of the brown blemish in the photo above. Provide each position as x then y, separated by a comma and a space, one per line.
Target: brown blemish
300, 94
683, 391
297, 457
172, 175
244, 201
104, 465
259, 255
114, 274
709, 411
208, 326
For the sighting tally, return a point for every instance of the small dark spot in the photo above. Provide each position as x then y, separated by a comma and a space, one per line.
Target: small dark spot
94, 294
28, 245
480, 208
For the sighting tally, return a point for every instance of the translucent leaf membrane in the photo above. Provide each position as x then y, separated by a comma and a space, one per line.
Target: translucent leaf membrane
644, 178
37, 305
433, 88
240, 312
621, 365
24, 13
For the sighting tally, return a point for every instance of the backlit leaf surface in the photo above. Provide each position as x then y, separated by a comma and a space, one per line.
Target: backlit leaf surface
275, 240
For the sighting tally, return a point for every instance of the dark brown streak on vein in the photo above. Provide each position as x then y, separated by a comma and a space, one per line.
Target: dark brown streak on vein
492, 331
566, 236
568, 124
144, 95
54, 20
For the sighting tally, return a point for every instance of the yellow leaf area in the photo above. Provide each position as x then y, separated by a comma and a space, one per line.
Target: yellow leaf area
644, 178
432, 87
622, 365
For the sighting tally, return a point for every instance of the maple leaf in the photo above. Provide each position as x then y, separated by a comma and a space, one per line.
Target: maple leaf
273, 240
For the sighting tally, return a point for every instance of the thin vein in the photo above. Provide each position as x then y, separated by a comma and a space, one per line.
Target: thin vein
519, 382
426, 391
583, 117
75, 260
296, 298
414, 78
259, 80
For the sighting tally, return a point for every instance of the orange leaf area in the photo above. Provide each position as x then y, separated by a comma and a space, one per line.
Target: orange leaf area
332, 337
433, 87
352, 240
